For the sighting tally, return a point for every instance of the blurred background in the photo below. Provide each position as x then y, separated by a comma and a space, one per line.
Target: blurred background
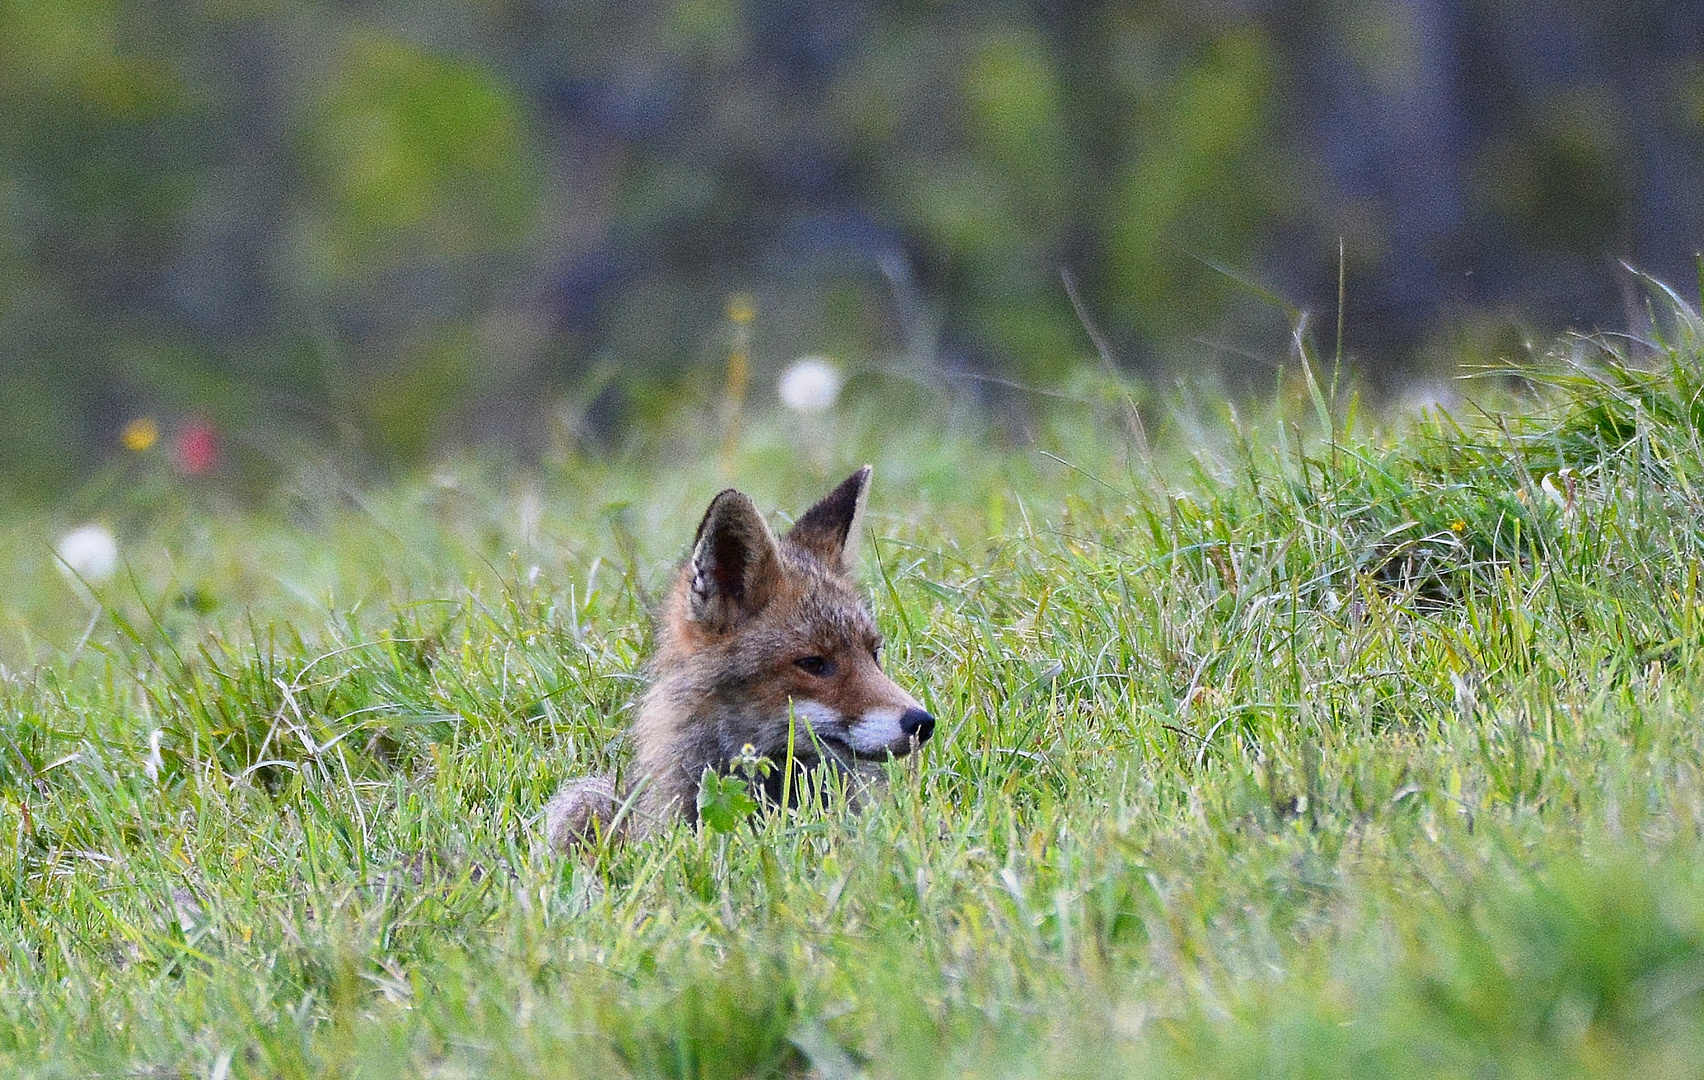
250, 229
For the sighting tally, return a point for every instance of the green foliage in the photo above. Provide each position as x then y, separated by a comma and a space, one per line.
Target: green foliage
398, 230
415, 154
1193, 163
723, 803
1294, 748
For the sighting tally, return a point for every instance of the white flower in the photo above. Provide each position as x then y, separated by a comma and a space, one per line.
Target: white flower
88, 555
811, 384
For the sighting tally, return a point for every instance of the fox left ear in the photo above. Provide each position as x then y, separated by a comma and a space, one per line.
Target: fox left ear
830, 530
735, 563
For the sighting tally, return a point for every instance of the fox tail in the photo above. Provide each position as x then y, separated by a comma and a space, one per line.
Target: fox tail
584, 812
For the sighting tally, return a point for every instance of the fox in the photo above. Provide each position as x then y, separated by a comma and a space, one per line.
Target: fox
761, 641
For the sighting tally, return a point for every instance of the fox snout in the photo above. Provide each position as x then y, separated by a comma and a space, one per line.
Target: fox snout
872, 734
891, 731
917, 725
875, 733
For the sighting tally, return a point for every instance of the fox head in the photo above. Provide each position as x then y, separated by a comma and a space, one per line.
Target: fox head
771, 635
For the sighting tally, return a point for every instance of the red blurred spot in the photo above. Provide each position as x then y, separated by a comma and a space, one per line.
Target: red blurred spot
195, 448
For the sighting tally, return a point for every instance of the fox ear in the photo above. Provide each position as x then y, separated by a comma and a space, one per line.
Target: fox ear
735, 563
830, 530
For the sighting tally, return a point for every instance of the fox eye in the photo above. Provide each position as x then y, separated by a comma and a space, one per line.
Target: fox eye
815, 665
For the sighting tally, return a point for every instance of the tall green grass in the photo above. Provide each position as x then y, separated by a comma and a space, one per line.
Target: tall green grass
1272, 745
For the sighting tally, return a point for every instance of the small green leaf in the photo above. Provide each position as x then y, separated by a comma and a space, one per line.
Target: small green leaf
723, 802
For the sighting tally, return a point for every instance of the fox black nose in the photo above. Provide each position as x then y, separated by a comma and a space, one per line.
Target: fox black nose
917, 724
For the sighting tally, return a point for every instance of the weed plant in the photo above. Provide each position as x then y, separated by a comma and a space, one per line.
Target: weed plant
1272, 745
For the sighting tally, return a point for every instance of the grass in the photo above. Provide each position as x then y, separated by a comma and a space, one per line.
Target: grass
1293, 747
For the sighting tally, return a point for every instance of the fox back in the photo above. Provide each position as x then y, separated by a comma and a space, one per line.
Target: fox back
759, 638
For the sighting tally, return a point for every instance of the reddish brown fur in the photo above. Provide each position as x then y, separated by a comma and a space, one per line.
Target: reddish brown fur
742, 611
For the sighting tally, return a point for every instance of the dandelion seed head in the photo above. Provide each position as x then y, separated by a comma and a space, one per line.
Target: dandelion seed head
88, 555
811, 384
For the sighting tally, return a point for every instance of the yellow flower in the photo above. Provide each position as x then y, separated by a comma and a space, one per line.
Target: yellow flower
1458, 526
742, 308
140, 434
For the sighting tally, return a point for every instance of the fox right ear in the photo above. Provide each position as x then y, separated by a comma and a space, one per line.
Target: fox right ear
830, 530
735, 562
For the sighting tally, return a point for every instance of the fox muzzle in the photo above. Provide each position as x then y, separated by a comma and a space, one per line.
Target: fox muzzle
917, 725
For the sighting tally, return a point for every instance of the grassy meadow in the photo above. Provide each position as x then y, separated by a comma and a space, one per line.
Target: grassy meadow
1276, 741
